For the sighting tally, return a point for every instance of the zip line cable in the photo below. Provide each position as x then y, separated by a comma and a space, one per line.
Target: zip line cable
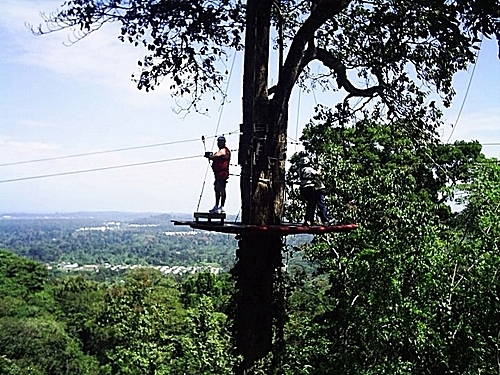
215, 134
99, 169
162, 161
103, 168
466, 91
297, 120
222, 104
206, 171
97, 152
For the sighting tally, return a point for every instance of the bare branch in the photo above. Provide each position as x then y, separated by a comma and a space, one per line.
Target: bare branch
298, 56
340, 70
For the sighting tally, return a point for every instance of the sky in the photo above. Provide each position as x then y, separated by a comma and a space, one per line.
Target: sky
58, 101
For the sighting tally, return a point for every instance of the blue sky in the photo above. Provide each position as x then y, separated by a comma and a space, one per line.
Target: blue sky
58, 101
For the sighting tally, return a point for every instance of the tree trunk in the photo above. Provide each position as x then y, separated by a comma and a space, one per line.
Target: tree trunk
258, 259
262, 155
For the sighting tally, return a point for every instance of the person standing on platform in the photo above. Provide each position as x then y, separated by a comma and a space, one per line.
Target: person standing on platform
220, 166
313, 190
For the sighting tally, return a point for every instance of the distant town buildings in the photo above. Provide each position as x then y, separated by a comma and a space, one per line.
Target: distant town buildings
166, 270
105, 226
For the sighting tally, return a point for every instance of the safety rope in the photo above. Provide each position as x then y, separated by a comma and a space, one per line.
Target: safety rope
215, 133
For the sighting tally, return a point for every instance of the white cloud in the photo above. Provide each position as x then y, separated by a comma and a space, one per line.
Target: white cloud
99, 59
25, 147
37, 124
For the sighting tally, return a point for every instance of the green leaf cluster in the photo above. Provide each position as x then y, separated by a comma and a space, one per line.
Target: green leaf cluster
414, 290
144, 323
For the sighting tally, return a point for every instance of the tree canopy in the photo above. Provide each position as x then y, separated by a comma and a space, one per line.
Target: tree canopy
370, 49
397, 295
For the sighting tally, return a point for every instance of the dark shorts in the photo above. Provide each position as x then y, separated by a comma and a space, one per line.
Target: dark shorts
220, 185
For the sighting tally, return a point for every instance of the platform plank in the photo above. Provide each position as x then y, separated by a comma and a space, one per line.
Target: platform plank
209, 217
283, 229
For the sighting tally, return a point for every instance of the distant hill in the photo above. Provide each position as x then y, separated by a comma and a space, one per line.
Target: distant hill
98, 215
102, 216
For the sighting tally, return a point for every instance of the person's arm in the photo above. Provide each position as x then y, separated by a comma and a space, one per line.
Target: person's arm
314, 172
219, 154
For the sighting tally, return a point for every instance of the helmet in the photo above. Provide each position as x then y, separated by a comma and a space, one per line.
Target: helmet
221, 139
304, 161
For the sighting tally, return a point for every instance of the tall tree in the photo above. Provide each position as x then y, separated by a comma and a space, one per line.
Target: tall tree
32, 340
137, 330
402, 294
380, 51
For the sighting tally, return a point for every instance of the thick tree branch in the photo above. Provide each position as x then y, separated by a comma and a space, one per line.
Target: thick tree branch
340, 70
297, 58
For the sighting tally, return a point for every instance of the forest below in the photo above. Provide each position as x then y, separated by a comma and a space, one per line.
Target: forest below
60, 322
112, 242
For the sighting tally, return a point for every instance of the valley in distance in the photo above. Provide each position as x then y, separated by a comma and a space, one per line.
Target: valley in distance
108, 243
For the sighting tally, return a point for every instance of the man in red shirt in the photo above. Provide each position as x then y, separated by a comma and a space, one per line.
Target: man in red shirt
220, 166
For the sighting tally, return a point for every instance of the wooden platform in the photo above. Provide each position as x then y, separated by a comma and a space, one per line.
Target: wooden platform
283, 229
208, 217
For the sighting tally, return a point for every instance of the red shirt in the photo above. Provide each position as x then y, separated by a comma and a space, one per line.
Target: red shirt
220, 165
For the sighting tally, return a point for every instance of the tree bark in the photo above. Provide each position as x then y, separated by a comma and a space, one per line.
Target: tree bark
262, 155
258, 259
256, 194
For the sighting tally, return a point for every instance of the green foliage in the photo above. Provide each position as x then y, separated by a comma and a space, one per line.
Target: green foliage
41, 346
135, 326
370, 166
135, 331
473, 304
143, 328
20, 277
218, 287
207, 349
411, 290
23, 287
79, 301
8, 367
31, 340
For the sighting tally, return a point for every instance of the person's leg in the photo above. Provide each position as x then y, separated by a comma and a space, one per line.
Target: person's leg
217, 197
218, 192
220, 195
321, 203
310, 205
223, 195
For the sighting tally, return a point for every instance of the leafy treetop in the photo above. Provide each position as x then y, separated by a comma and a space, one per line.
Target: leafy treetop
370, 49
